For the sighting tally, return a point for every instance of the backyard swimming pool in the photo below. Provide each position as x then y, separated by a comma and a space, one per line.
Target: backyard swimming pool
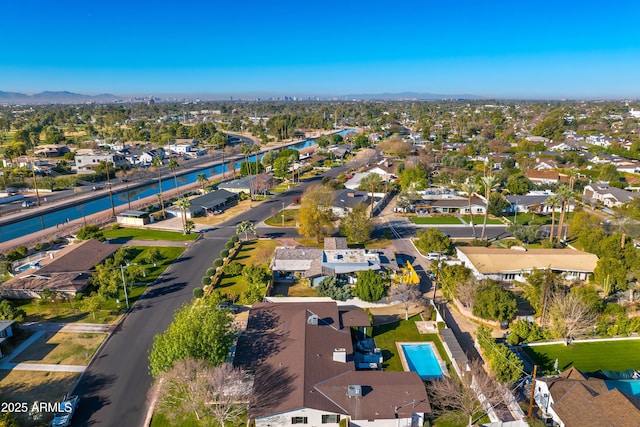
422, 360
631, 387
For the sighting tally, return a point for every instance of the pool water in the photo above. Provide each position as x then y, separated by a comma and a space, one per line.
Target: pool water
422, 360
631, 387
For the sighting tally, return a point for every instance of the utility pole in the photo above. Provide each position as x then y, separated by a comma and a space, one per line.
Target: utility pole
124, 285
533, 390
113, 208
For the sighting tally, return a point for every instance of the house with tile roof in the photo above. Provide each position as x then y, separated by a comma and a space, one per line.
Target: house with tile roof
303, 360
573, 400
515, 264
608, 196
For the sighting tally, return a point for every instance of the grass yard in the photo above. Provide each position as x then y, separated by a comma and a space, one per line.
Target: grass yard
253, 252
147, 234
62, 348
592, 356
432, 220
229, 212
298, 289
32, 386
290, 218
387, 335
186, 420
71, 311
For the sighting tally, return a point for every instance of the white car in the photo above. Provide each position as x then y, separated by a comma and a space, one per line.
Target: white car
434, 256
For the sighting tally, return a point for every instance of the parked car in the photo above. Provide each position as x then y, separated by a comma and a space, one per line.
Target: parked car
28, 204
434, 256
233, 308
217, 212
67, 408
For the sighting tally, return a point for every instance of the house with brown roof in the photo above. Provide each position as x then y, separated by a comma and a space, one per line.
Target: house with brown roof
68, 273
546, 176
303, 360
516, 264
573, 400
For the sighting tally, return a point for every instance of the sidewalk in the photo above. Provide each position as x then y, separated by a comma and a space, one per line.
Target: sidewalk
68, 327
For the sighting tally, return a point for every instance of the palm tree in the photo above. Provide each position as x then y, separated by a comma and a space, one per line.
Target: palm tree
552, 202
246, 227
173, 165
183, 203
489, 183
246, 151
566, 195
470, 188
203, 181
157, 163
255, 149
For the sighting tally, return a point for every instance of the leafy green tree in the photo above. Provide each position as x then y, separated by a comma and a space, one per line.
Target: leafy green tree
609, 173
451, 276
246, 227
470, 188
432, 240
315, 212
534, 288
153, 256
494, 303
233, 268
357, 226
414, 179
526, 234
524, 331
497, 204
329, 287
611, 274
90, 232
93, 304
256, 274
7, 419
199, 332
9, 311
281, 167
552, 127
518, 184
369, 286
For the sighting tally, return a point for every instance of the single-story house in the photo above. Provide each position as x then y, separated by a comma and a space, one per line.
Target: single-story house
215, 200
571, 399
262, 183
608, 196
68, 272
345, 200
447, 204
534, 202
303, 360
336, 259
514, 264
6, 332
546, 176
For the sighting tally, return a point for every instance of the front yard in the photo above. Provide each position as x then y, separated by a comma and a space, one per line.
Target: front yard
126, 234
62, 348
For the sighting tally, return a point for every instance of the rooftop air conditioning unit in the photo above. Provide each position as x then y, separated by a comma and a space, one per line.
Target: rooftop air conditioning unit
313, 320
340, 355
354, 391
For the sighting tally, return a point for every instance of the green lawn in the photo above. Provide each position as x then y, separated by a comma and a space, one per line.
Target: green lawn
589, 357
71, 311
146, 234
387, 335
253, 252
435, 220
290, 218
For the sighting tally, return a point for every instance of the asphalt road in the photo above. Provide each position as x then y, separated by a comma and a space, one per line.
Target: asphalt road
114, 389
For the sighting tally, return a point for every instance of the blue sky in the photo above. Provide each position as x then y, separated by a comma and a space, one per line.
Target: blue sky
504, 49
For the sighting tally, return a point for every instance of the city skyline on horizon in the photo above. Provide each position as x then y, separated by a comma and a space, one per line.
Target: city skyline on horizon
497, 51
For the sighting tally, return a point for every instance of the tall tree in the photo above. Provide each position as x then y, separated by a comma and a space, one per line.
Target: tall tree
203, 181
552, 202
315, 212
406, 295
197, 332
567, 196
489, 183
183, 203
571, 317
157, 163
371, 183
470, 188
369, 286
173, 166
357, 226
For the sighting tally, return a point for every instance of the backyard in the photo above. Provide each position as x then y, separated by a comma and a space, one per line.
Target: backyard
614, 355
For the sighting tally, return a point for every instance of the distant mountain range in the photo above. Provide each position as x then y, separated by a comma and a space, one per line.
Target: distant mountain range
48, 97
65, 97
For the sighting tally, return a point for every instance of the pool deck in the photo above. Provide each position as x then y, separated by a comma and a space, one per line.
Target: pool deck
403, 358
